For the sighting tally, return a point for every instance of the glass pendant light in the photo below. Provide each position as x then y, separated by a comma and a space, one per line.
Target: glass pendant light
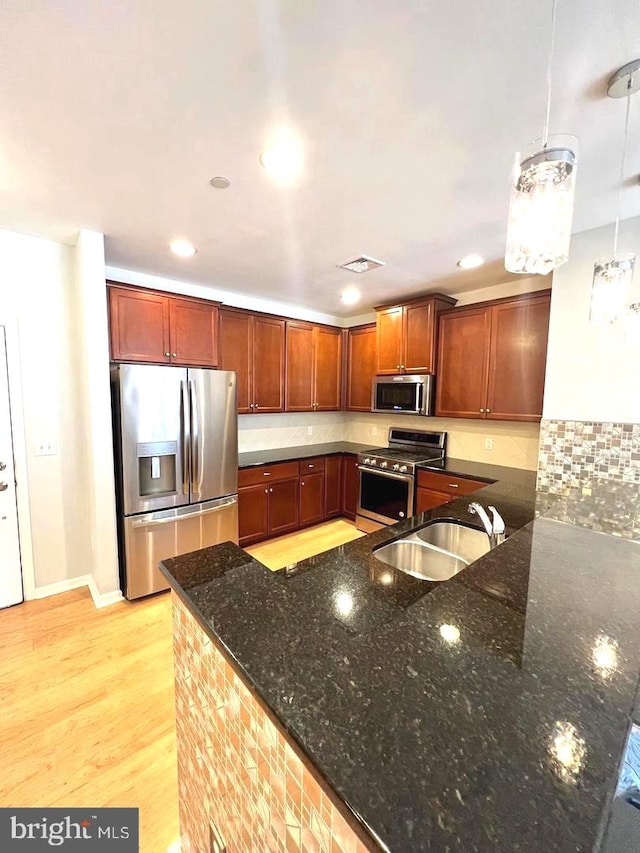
542, 193
612, 293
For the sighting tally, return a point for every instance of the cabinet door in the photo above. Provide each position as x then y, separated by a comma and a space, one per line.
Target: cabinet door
139, 326
463, 356
236, 338
426, 499
389, 331
283, 506
419, 338
361, 368
268, 365
327, 369
350, 485
253, 521
299, 367
311, 498
193, 333
518, 359
332, 486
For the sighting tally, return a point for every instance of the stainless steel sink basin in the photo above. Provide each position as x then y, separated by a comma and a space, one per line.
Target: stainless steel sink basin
436, 552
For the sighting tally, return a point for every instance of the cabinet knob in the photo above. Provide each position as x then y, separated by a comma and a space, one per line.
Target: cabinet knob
174, 354
482, 410
302, 483
397, 367
488, 411
266, 491
167, 355
271, 491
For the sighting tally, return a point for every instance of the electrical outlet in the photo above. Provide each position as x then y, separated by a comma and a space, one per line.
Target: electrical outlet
46, 447
374, 430
488, 444
309, 430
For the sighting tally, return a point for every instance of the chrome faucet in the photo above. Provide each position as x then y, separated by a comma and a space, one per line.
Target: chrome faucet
494, 526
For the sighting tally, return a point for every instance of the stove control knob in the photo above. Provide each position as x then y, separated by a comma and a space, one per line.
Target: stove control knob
403, 469
396, 467
383, 464
374, 461
367, 461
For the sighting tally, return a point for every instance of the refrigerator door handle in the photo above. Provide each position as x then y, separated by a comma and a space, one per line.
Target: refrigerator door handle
195, 439
185, 437
149, 521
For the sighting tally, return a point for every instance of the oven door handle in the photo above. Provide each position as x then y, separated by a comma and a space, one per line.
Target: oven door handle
407, 478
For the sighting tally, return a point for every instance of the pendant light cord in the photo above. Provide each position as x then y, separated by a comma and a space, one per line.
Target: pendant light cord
545, 135
624, 154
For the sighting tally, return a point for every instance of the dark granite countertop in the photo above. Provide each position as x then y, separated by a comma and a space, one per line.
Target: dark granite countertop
304, 451
504, 730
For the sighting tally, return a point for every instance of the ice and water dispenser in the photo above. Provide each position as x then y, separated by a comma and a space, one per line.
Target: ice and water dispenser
157, 468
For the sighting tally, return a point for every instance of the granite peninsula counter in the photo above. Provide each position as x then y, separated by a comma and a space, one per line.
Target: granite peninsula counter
340, 702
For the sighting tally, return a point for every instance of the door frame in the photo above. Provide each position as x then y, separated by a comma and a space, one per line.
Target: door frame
16, 408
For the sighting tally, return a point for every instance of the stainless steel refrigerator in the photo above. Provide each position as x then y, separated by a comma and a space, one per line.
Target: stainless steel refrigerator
176, 452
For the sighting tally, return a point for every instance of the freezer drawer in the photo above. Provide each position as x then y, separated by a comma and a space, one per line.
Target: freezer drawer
156, 536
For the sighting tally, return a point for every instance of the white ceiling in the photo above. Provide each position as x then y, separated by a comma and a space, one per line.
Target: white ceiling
116, 115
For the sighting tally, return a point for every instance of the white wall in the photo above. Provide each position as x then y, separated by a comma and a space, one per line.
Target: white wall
37, 294
592, 371
93, 355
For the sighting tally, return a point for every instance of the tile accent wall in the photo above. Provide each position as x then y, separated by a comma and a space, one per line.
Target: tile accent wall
576, 453
242, 786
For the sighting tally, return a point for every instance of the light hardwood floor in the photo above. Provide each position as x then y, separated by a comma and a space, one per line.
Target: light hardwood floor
280, 552
87, 698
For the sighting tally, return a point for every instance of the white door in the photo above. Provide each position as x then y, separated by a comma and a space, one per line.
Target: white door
10, 570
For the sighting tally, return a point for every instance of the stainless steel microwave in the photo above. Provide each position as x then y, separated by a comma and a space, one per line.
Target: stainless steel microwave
409, 395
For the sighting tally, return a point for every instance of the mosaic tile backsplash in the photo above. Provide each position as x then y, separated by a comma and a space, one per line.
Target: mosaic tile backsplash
242, 786
577, 453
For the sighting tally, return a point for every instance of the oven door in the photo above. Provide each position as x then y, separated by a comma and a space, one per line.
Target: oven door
385, 497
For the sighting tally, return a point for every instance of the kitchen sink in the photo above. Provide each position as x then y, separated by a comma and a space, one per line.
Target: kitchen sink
436, 552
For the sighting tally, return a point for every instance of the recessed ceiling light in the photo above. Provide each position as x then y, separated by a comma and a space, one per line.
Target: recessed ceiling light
182, 248
470, 262
350, 295
220, 183
283, 157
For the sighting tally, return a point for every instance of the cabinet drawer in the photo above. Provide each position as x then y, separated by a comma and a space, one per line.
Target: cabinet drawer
267, 473
312, 466
447, 484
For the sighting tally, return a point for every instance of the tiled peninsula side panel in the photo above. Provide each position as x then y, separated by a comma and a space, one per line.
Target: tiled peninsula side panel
576, 453
242, 787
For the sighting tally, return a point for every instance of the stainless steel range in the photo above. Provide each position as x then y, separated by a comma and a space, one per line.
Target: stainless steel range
387, 475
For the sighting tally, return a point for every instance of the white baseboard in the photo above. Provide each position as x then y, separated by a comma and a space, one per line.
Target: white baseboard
60, 586
99, 599
103, 599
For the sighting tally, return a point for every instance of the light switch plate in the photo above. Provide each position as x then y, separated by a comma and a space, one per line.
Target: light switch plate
310, 430
46, 447
488, 444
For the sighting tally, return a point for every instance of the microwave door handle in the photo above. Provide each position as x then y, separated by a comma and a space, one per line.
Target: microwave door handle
185, 437
419, 408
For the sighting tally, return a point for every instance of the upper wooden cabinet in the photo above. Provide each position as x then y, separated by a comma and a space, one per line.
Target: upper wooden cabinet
406, 335
148, 326
492, 359
361, 367
313, 367
253, 346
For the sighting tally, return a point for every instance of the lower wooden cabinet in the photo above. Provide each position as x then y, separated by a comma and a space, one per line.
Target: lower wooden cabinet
280, 498
333, 486
253, 514
435, 489
350, 485
283, 507
311, 498
426, 499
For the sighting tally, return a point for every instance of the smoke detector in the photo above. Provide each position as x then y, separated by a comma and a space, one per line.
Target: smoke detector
362, 264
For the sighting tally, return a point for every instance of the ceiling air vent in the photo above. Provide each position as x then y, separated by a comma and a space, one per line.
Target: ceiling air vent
362, 264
